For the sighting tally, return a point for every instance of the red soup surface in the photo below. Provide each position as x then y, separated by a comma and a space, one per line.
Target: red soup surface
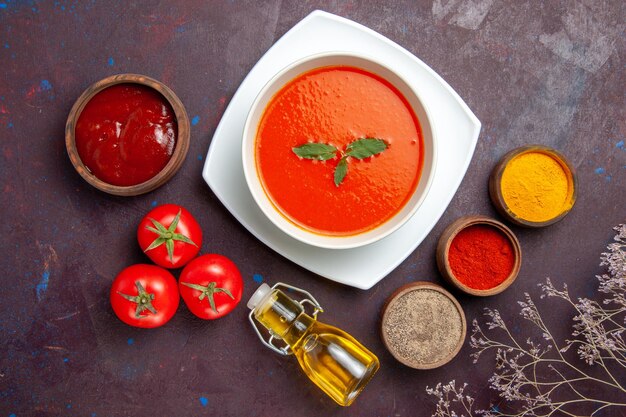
337, 105
126, 134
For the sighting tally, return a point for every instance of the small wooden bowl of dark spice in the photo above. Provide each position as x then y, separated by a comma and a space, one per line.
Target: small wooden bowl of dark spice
127, 134
479, 255
423, 326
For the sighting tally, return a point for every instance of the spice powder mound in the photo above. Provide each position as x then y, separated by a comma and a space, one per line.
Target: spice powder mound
481, 257
423, 327
537, 187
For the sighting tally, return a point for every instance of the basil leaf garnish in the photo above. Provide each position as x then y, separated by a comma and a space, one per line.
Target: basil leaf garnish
366, 147
319, 151
340, 171
359, 149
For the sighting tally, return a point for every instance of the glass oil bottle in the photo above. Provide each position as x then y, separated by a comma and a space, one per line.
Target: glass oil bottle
330, 357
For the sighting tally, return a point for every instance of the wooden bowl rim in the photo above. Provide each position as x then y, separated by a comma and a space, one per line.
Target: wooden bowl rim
175, 161
417, 285
448, 236
495, 190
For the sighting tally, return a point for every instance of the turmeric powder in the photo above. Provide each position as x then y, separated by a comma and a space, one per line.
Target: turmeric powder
536, 186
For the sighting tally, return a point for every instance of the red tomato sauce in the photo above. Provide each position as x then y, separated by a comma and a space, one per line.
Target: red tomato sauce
337, 105
126, 134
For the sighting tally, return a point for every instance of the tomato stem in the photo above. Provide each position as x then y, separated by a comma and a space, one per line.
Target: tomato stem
143, 300
209, 292
167, 236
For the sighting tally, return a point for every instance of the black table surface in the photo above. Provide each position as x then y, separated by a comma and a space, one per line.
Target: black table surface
550, 73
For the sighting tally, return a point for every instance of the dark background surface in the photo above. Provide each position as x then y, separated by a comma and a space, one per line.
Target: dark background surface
532, 73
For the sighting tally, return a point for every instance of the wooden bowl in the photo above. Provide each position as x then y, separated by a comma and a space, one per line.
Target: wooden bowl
495, 190
448, 236
175, 161
419, 332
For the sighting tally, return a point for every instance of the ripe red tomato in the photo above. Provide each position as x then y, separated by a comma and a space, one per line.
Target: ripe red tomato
170, 236
144, 296
211, 286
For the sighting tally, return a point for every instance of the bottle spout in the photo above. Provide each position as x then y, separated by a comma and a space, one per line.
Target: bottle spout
258, 296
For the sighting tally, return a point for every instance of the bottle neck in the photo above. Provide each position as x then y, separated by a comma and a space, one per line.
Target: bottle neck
283, 317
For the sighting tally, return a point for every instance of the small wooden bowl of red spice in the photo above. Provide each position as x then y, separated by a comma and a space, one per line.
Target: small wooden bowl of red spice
127, 134
479, 255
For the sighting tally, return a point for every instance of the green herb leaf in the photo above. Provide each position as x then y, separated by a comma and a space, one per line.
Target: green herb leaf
319, 151
359, 149
366, 147
340, 171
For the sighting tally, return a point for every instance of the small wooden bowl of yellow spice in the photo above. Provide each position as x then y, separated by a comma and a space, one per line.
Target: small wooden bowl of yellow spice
533, 186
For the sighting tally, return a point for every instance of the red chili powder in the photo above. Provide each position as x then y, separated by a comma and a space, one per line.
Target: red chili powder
481, 257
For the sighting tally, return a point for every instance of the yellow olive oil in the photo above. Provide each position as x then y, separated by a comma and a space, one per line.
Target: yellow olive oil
330, 357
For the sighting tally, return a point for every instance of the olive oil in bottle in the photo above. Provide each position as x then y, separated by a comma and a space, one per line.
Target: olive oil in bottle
330, 357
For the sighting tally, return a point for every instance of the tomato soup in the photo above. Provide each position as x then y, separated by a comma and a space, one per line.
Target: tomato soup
337, 105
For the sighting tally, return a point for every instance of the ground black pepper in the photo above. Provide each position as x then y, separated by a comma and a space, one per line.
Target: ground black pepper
423, 327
